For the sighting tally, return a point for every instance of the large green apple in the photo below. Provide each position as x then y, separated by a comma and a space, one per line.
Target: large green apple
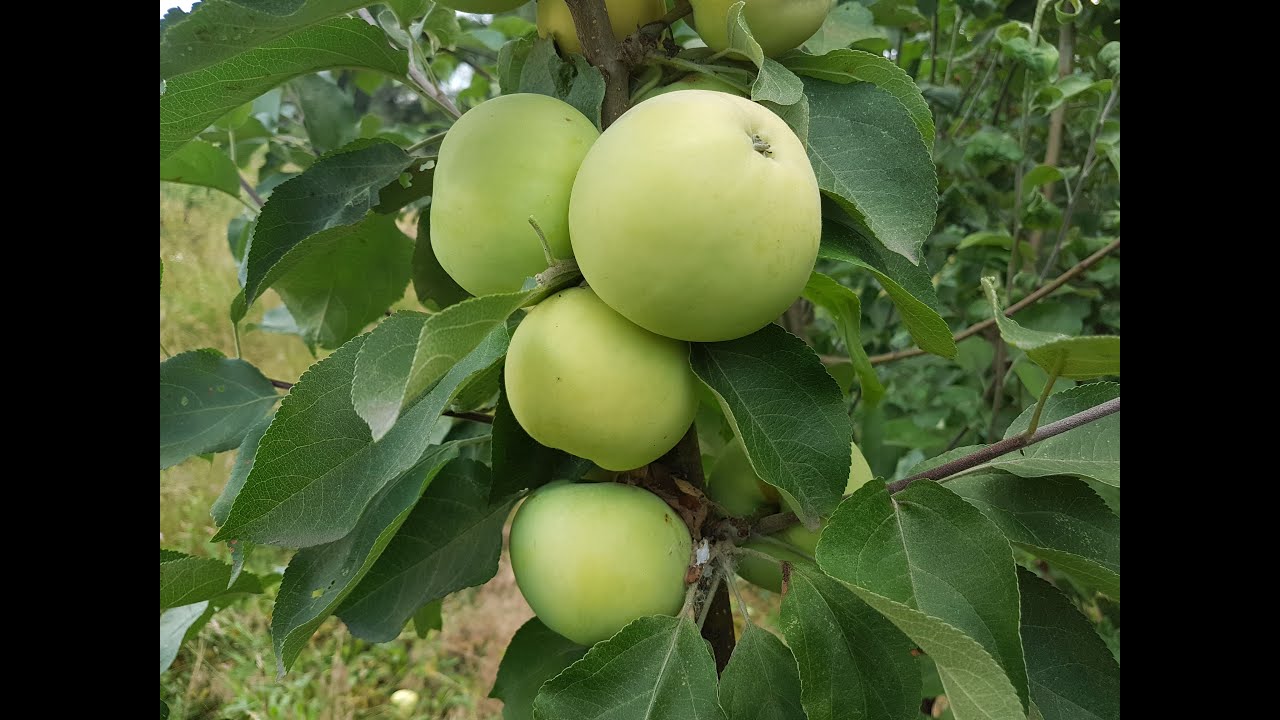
697, 216
625, 17
482, 6
505, 160
591, 557
778, 25
582, 378
736, 487
692, 81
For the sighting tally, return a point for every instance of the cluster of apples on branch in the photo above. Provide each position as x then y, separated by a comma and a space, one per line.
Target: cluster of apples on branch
693, 218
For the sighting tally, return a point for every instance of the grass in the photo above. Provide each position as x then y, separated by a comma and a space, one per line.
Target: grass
229, 669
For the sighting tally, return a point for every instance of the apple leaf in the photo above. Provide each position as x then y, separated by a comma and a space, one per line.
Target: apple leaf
319, 578
522, 463
571, 80
328, 112
1089, 451
534, 656
853, 663
846, 309
939, 570
761, 682
200, 163
655, 667
428, 618
867, 154
193, 100
846, 24
318, 448
1073, 674
908, 286
451, 540
774, 82
788, 411
207, 403
1071, 357
185, 579
1059, 519
382, 368
176, 625
215, 30
433, 286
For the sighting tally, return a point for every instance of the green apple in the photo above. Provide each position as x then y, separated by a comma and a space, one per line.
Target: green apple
735, 486
625, 17
505, 160
693, 81
584, 379
778, 25
795, 543
482, 6
591, 557
711, 230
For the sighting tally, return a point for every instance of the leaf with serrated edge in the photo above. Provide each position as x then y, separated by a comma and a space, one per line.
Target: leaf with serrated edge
853, 663
522, 463
929, 551
866, 152
317, 466
908, 286
185, 579
1073, 357
774, 82
788, 411
194, 100
655, 667
200, 163
1073, 674
847, 66
1060, 519
450, 541
534, 655
761, 681
207, 404
846, 309
573, 80
1091, 451
175, 624
319, 578
382, 369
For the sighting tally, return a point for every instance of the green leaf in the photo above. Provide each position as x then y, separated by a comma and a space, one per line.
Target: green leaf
164, 710
796, 116
450, 541
407, 10
926, 550
534, 655
338, 190
1059, 519
176, 624
1089, 451
850, 66
318, 448
193, 100
774, 82
441, 27
481, 391
866, 152
185, 579
328, 112
1073, 674
207, 404
788, 411
337, 281
521, 463
427, 618
511, 59
574, 80
846, 310
199, 163
215, 30
845, 25
240, 469
433, 286
655, 667
908, 286
761, 682
853, 663
319, 578
382, 370
1074, 358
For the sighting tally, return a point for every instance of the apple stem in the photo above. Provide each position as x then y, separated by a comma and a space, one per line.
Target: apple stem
542, 238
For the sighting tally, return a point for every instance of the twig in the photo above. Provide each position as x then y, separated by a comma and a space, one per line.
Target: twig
933, 47
426, 141
976, 328
1057, 121
951, 48
419, 79
602, 49
781, 521
479, 70
253, 194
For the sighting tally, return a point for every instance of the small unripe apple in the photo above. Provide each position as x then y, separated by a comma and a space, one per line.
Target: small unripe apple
625, 17
692, 81
778, 25
712, 230
591, 557
584, 379
482, 6
736, 487
404, 701
506, 160
792, 544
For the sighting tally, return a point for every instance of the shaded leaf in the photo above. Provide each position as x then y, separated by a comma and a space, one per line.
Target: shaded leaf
774, 82
1074, 358
328, 113
522, 463
534, 655
207, 404
846, 309
200, 163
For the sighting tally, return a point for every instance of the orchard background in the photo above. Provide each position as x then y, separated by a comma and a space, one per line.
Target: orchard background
956, 331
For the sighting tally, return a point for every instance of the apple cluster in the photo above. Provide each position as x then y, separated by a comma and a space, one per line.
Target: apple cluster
695, 217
